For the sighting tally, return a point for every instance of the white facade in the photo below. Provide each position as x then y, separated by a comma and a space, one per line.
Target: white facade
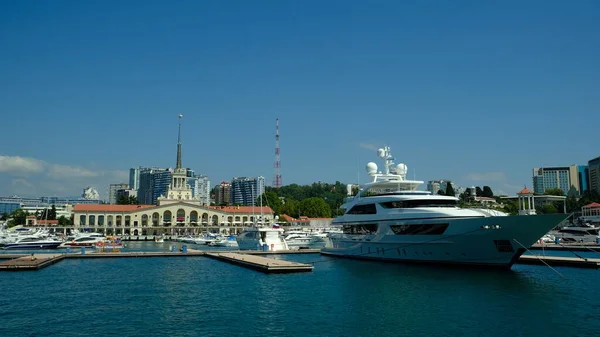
178, 218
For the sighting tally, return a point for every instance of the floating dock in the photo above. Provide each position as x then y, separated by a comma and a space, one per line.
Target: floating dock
30, 262
266, 265
249, 259
560, 261
575, 247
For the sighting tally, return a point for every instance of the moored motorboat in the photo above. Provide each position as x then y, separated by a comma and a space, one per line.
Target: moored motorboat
82, 240
229, 241
302, 239
110, 244
262, 238
389, 219
33, 242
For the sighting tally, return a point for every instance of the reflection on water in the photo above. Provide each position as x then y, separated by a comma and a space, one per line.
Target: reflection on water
197, 296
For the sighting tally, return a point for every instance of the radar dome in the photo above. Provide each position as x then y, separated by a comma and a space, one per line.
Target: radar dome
371, 168
381, 153
401, 169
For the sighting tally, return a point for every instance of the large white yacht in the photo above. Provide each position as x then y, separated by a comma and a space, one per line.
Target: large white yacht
389, 219
262, 238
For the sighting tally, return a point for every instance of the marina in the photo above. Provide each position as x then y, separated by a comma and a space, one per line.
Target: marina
26, 262
253, 259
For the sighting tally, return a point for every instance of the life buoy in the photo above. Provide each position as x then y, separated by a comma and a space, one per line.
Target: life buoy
100, 244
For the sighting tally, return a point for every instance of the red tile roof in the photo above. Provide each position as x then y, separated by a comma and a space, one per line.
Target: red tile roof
109, 208
131, 208
47, 222
525, 191
592, 205
302, 218
242, 209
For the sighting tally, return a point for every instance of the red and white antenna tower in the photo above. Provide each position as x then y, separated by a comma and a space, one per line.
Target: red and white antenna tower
277, 178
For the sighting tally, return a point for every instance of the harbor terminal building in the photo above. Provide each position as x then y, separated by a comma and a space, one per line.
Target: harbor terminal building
177, 218
177, 212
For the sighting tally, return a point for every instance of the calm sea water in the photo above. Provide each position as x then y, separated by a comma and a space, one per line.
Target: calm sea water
198, 296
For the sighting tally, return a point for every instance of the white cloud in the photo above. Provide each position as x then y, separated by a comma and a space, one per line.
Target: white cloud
486, 176
45, 178
120, 175
368, 146
65, 171
21, 182
19, 165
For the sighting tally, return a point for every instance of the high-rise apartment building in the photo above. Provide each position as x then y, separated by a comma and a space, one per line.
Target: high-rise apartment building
126, 193
434, 186
563, 177
594, 174
112, 192
134, 177
200, 188
223, 194
245, 190
154, 182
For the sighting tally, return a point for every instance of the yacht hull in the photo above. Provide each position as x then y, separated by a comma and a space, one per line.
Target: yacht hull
488, 241
32, 245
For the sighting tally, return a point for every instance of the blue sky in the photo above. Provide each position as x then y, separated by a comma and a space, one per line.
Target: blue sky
478, 92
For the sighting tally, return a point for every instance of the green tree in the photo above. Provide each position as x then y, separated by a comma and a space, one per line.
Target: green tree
573, 192
449, 189
587, 197
4, 216
314, 208
440, 192
52, 213
487, 192
271, 199
467, 196
291, 208
125, 200
19, 217
511, 207
554, 191
547, 209
572, 204
478, 191
64, 222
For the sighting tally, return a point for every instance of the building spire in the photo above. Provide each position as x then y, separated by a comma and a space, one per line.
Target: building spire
178, 165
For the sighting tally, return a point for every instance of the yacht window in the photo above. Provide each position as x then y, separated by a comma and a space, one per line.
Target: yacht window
29, 240
419, 203
363, 209
421, 229
362, 229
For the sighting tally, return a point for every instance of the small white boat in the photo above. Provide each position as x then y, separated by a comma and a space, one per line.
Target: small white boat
262, 238
159, 239
229, 241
